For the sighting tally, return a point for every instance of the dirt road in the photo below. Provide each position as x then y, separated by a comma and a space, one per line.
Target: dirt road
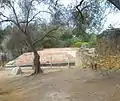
67, 85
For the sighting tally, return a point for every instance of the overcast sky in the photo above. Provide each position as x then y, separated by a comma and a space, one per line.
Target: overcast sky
113, 18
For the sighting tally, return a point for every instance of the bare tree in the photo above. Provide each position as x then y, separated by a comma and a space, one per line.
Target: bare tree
24, 12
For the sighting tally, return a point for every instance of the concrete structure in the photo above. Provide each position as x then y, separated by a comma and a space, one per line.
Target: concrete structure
50, 56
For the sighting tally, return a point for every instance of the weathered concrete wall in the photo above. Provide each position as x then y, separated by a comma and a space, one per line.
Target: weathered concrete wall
84, 57
52, 56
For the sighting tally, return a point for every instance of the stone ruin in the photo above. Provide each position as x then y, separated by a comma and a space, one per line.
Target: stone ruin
84, 57
107, 49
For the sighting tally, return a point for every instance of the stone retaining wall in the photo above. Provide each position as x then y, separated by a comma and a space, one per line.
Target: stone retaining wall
84, 57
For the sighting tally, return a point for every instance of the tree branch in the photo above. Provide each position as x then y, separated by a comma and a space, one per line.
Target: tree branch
8, 20
16, 17
22, 22
14, 12
45, 35
28, 14
1, 14
36, 15
56, 2
77, 7
116, 3
85, 7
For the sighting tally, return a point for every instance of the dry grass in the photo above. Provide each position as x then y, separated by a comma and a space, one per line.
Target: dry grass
109, 62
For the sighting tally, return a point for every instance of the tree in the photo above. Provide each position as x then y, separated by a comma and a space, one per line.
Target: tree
116, 3
93, 40
24, 16
2, 35
16, 42
108, 48
89, 16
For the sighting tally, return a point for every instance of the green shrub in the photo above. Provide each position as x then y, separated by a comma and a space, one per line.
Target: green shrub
79, 44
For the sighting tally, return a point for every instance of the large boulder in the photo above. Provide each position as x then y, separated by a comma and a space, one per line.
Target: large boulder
16, 71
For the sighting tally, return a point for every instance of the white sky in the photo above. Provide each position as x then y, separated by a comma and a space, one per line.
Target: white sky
113, 19
67, 2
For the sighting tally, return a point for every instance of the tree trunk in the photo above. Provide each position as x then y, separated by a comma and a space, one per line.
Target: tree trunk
37, 63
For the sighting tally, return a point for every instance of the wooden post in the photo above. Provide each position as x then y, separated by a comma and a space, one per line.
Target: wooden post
51, 62
68, 62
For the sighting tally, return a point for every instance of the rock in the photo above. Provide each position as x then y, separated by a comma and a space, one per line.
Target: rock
16, 71
10, 64
92, 50
84, 57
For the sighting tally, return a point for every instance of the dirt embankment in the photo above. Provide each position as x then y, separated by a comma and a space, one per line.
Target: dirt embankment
67, 85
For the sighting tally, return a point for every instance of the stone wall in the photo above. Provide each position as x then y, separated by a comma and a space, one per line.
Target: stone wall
84, 57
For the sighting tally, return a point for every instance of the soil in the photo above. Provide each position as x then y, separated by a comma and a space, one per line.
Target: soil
66, 85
